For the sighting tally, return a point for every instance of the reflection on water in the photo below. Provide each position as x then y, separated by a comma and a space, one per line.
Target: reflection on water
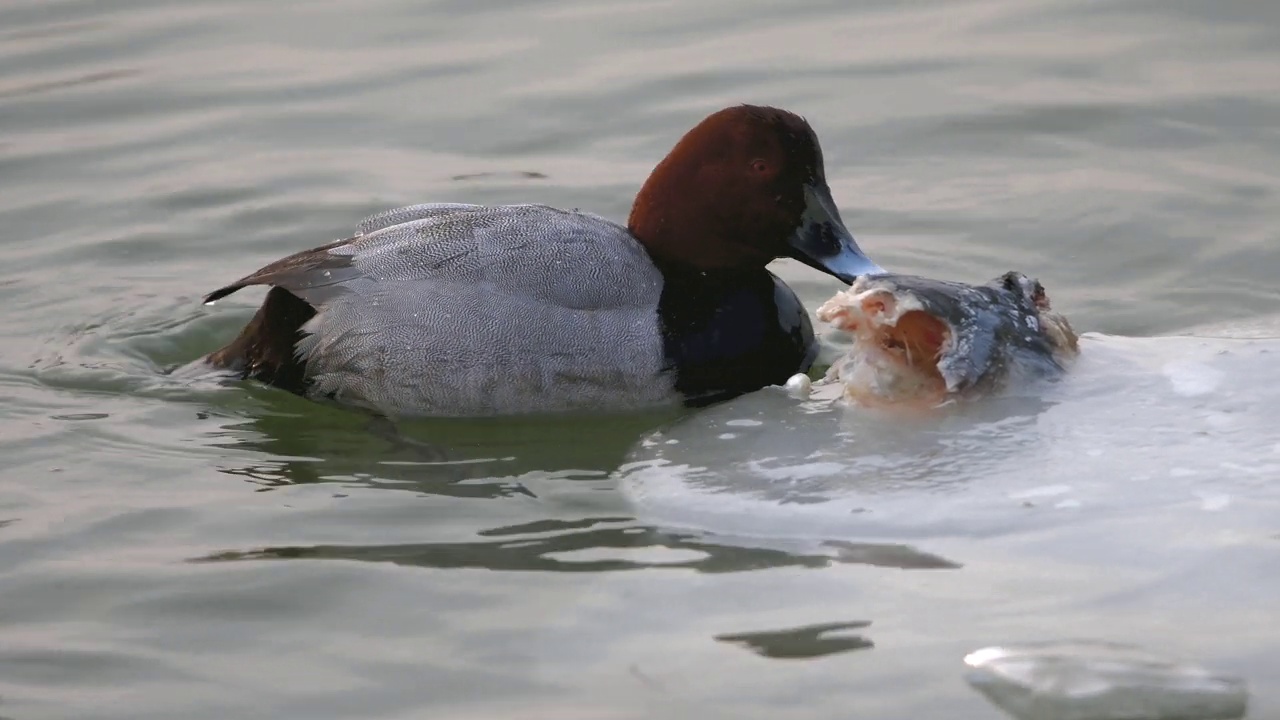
581, 546
803, 643
503, 458
447, 457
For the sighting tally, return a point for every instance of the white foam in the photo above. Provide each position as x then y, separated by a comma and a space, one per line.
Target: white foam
1192, 379
1041, 492
1117, 434
1214, 502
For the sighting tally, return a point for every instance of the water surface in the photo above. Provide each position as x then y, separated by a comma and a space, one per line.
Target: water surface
207, 552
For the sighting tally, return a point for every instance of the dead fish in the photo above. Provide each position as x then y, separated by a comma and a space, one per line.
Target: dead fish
917, 340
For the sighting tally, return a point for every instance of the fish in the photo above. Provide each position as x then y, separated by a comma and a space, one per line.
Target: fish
919, 341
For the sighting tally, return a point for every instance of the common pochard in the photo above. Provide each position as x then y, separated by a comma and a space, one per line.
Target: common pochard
470, 310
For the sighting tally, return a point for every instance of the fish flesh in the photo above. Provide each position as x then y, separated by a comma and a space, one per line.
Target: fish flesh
920, 341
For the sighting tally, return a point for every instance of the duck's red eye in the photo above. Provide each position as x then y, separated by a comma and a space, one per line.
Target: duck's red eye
760, 166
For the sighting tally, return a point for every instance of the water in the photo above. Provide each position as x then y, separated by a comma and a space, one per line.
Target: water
191, 550
1102, 681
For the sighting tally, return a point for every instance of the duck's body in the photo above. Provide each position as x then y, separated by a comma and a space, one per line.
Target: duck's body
471, 310
466, 310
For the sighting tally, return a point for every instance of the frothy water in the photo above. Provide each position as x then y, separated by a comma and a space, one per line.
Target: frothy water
1195, 432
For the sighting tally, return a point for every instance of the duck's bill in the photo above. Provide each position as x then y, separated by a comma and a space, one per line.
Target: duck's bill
918, 341
824, 243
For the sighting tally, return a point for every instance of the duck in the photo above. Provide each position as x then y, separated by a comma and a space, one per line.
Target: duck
463, 310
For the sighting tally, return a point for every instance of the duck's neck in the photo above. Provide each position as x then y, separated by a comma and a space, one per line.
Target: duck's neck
686, 244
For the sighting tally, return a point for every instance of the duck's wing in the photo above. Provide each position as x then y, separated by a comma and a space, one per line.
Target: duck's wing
297, 273
424, 211
317, 266
568, 258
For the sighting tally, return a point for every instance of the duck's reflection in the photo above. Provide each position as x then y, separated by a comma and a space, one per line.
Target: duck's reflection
296, 441
446, 460
601, 545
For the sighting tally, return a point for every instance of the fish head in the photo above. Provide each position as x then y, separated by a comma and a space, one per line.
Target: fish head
918, 340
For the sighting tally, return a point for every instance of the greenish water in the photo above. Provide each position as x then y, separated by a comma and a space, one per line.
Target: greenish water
171, 550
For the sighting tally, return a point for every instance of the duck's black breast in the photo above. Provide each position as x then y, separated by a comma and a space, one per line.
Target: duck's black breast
726, 335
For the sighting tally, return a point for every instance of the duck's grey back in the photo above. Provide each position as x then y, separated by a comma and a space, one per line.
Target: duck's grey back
452, 310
